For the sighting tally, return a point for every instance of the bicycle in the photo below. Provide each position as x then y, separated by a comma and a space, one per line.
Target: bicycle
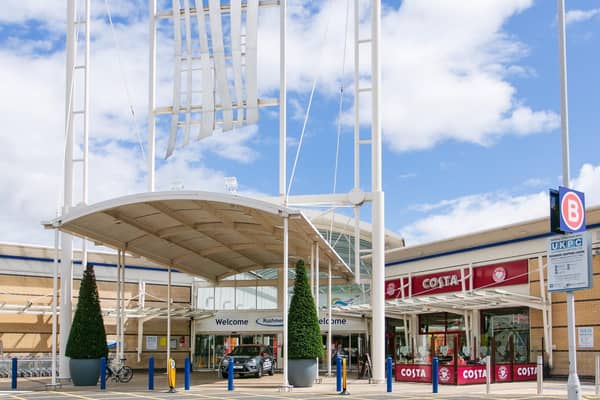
121, 374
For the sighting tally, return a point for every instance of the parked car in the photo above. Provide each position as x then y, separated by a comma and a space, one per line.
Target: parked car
248, 359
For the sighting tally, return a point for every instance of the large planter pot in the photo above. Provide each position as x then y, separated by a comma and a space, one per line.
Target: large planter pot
302, 373
85, 372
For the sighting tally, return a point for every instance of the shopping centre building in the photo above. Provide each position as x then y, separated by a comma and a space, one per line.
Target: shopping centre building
459, 299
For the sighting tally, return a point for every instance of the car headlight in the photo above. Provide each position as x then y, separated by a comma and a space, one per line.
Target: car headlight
225, 361
251, 362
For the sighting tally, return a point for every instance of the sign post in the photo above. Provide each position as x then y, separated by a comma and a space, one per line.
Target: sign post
569, 265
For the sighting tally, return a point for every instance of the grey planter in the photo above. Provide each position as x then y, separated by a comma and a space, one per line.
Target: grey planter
302, 373
85, 372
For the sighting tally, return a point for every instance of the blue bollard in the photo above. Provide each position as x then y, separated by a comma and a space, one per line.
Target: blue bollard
389, 374
230, 374
338, 374
435, 374
13, 383
188, 368
151, 373
103, 373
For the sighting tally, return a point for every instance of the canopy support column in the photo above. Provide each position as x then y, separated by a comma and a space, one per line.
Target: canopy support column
169, 316
329, 337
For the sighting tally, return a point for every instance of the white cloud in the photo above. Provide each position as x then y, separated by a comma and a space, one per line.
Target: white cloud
573, 16
454, 217
445, 68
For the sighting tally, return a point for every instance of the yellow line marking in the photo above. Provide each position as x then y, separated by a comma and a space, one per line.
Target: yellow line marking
135, 395
74, 395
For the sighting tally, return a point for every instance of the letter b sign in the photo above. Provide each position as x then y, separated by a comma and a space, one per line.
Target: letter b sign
572, 210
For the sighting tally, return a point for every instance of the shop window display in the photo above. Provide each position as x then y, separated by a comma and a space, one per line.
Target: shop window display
505, 335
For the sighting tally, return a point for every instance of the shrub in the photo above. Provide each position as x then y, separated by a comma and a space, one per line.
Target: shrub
304, 334
87, 338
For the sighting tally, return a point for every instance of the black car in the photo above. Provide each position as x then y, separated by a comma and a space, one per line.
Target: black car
248, 359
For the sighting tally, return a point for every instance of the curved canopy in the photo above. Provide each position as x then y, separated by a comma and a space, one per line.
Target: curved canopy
211, 235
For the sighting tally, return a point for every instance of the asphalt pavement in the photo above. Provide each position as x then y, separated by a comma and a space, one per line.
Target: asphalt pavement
206, 385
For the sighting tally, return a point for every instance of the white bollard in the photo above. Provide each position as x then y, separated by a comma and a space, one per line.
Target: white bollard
488, 374
540, 375
597, 375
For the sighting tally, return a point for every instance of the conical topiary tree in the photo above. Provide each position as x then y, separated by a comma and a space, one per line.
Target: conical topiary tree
87, 338
304, 334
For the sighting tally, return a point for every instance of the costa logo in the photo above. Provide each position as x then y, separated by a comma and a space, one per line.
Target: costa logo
444, 374
526, 371
502, 373
474, 373
440, 282
391, 288
413, 373
499, 274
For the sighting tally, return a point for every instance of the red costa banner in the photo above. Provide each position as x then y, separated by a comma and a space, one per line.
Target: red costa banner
487, 276
471, 374
413, 373
502, 274
440, 282
524, 372
503, 373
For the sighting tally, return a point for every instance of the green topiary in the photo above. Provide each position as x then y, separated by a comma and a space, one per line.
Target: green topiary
87, 338
304, 333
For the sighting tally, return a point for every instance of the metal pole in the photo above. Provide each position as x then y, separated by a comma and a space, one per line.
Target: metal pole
285, 297
169, 316
540, 375
66, 259
151, 95
282, 101
573, 384
329, 337
54, 305
377, 297
597, 382
118, 305
488, 373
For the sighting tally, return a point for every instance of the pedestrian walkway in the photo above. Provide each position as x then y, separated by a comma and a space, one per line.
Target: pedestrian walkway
206, 385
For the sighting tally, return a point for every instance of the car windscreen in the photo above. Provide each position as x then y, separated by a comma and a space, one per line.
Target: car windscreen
246, 351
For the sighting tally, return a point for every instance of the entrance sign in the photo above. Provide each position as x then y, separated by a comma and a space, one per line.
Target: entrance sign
569, 262
572, 210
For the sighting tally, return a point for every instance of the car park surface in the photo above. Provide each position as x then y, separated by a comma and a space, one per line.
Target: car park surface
207, 385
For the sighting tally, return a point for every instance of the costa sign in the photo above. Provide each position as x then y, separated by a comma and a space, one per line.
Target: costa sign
487, 276
413, 373
472, 374
524, 372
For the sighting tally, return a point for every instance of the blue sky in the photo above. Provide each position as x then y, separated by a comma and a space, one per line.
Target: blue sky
471, 107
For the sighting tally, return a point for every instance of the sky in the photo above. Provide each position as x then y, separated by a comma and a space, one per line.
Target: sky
470, 111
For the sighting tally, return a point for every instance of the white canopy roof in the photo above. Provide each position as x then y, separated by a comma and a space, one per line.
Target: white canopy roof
211, 235
450, 302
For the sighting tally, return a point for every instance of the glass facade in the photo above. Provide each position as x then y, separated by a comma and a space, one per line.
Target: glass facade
505, 335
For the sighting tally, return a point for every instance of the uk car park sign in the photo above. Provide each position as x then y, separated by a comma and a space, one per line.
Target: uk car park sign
569, 255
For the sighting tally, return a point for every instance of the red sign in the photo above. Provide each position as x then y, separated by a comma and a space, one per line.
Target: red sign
471, 374
440, 282
393, 289
446, 375
487, 276
525, 372
502, 274
413, 373
503, 373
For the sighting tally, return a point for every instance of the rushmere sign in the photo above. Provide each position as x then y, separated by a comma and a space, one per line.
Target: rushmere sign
269, 321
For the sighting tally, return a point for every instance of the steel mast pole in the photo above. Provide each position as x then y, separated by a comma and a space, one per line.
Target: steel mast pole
573, 384
152, 96
377, 294
66, 259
